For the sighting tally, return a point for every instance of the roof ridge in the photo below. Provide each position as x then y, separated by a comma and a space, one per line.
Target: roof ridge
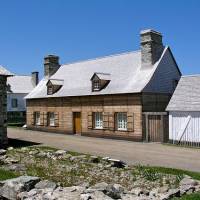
21, 75
101, 57
190, 75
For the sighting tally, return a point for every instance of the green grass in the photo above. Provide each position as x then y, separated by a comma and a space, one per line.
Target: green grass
195, 196
4, 174
178, 172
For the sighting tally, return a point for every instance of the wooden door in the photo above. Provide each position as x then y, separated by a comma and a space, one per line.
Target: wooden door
155, 128
77, 122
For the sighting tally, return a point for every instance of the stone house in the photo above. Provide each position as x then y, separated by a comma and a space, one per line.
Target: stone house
120, 96
18, 86
3, 106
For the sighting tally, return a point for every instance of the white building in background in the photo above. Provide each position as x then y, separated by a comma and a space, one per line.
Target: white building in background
18, 87
184, 112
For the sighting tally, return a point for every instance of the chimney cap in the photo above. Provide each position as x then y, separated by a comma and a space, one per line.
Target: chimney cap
146, 31
51, 56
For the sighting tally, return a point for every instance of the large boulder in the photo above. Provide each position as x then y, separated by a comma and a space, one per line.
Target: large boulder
45, 184
12, 187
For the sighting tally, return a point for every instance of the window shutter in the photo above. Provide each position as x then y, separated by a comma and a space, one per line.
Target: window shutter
115, 119
130, 122
111, 121
56, 115
90, 120
105, 120
33, 118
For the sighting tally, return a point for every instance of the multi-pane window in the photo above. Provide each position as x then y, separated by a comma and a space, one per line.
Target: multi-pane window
98, 120
14, 103
50, 90
51, 119
96, 85
121, 121
37, 118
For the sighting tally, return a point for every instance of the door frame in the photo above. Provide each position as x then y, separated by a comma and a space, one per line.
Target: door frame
74, 124
146, 125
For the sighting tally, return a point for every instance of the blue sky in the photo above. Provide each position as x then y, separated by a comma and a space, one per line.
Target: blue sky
82, 29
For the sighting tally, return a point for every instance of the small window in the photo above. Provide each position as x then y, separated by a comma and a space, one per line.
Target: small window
121, 121
51, 119
50, 89
98, 120
96, 85
37, 118
14, 103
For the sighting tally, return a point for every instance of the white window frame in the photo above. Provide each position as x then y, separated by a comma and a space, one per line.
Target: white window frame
37, 118
51, 119
96, 85
14, 103
122, 121
98, 120
50, 89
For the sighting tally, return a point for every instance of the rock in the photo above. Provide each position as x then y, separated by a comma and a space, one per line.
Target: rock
163, 189
98, 187
42, 154
16, 167
117, 163
94, 159
12, 187
60, 152
2, 152
114, 191
171, 193
136, 191
10, 160
98, 195
69, 193
45, 184
153, 192
67, 156
24, 149
33, 152
188, 181
10, 148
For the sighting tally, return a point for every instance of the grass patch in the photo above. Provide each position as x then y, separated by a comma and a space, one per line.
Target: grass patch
4, 174
177, 172
195, 196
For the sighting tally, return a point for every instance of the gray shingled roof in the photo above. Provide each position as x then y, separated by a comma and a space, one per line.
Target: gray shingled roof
4, 72
187, 95
125, 73
20, 84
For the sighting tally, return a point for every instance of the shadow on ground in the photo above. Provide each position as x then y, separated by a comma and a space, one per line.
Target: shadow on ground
17, 143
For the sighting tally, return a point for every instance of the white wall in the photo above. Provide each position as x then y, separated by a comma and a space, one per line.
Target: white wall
176, 122
21, 102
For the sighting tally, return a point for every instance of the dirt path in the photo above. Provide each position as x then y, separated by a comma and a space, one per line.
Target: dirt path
132, 152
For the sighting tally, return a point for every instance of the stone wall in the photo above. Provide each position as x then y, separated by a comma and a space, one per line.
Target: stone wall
109, 105
3, 111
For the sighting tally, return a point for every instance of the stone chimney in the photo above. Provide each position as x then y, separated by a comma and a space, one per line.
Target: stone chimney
151, 47
35, 78
3, 112
51, 65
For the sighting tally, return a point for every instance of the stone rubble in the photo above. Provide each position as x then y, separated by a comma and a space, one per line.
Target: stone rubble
33, 188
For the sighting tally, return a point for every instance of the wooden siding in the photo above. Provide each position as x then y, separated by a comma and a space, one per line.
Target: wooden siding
155, 102
184, 128
164, 76
108, 105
